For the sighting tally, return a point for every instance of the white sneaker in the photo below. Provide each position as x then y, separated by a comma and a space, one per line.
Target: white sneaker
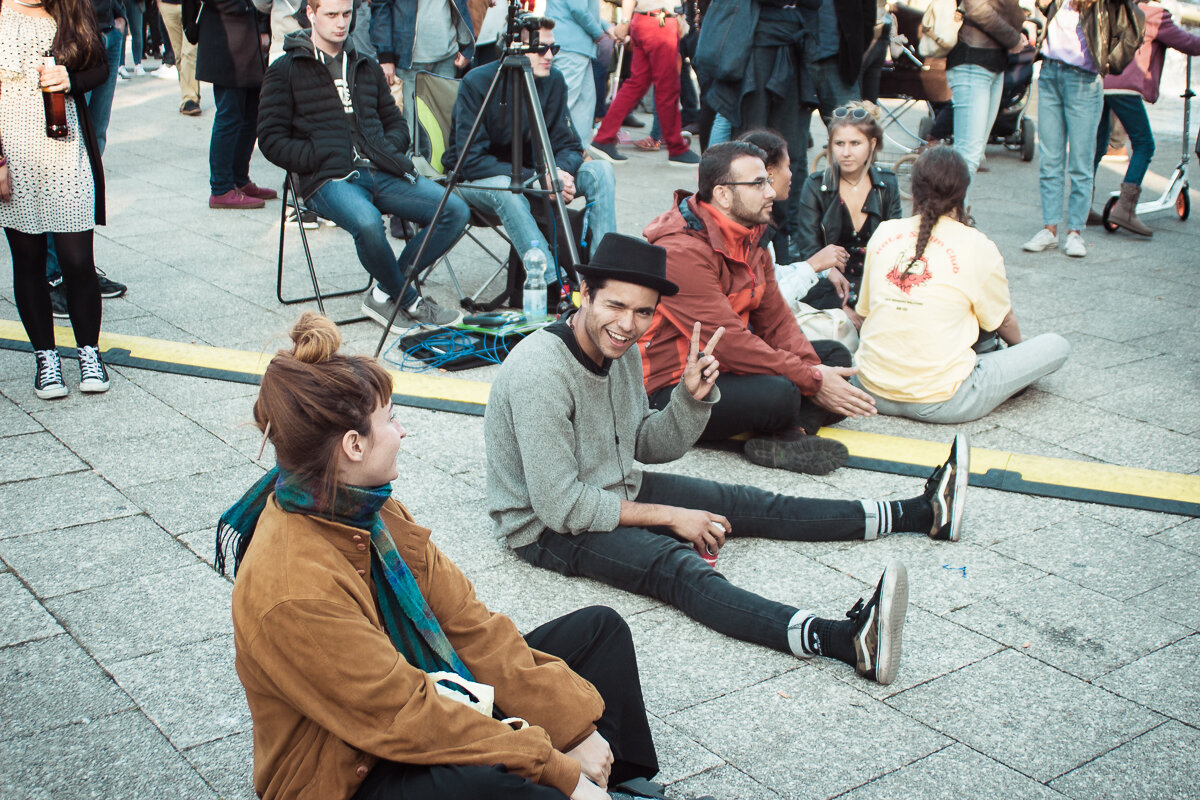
1044, 239
139, 70
1075, 246
167, 72
123, 73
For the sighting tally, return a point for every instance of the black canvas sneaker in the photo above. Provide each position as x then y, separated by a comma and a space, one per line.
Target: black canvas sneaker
93, 377
48, 382
879, 626
946, 491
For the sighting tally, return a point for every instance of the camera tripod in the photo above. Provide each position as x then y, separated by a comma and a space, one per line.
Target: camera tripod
515, 76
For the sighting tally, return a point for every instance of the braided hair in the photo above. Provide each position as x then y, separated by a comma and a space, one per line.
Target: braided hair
940, 179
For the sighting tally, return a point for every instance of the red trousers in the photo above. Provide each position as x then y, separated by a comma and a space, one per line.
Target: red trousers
655, 61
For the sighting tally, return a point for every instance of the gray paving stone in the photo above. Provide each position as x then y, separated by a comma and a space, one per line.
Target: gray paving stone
933, 646
120, 757
14, 420
1024, 714
993, 516
725, 782
1174, 600
532, 596
50, 683
147, 613
1143, 523
950, 774
36, 455
1159, 763
71, 559
1101, 557
187, 450
711, 664
59, 501
1184, 537
935, 579
819, 722
679, 756
1077, 630
22, 618
194, 502
227, 765
1164, 680
1132, 443
185, 392
191, 693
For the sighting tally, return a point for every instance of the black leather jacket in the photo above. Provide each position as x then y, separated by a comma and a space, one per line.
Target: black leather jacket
820, 218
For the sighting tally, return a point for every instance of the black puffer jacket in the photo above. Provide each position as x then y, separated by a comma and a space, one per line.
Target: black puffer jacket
303, 128
820, 215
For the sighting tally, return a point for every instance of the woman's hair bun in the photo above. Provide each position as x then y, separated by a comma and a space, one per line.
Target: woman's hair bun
315, 338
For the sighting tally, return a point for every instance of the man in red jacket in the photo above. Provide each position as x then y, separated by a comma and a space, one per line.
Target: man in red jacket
774, 382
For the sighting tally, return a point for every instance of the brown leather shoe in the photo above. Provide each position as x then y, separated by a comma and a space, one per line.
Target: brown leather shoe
234, 198
252, 189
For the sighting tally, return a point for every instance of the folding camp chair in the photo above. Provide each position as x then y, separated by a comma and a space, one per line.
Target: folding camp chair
435, 98
289, 191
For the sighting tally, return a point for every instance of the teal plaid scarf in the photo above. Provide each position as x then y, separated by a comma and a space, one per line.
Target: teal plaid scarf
409, 621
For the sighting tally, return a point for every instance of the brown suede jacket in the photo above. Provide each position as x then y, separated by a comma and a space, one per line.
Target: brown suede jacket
330, 695
718, 289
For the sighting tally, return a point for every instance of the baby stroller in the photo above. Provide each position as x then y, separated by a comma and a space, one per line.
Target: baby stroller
1012, 128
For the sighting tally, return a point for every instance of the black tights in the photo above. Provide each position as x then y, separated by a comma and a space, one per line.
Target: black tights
80, 283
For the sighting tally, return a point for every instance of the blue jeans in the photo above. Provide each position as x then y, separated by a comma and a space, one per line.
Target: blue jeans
134, 12
232, 140
581, 89
1131, 110
976, 97
653, 562
356, 204
594, 181
1069, 104
722, 131
99, 100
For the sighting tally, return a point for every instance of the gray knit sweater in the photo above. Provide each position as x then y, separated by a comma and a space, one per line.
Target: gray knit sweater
562, 441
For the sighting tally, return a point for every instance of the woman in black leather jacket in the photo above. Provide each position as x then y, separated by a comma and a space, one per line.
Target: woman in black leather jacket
851, 181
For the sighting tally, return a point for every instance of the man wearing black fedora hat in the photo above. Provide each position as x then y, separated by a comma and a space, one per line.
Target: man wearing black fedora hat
568, 419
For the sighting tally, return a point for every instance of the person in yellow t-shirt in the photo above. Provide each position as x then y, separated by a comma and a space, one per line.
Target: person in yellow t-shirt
931, 286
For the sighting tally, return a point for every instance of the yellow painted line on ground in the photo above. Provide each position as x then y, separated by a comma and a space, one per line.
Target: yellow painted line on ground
1052, 477
224, 363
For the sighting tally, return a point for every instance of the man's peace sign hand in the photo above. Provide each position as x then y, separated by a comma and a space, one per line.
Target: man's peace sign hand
701, 370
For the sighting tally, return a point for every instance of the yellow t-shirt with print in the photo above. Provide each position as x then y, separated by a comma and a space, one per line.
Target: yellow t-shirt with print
915, 344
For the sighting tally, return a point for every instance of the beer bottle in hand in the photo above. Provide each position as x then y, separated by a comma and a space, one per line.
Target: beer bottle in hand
56, 106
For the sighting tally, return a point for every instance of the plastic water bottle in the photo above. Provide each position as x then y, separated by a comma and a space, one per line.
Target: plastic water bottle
534, 304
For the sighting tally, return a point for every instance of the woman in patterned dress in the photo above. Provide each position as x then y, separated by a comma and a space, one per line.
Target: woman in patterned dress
52, 185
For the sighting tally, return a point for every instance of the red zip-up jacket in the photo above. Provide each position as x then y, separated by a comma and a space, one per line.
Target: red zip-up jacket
761, 334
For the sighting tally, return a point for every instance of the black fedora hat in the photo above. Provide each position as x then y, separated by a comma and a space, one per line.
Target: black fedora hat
630, 259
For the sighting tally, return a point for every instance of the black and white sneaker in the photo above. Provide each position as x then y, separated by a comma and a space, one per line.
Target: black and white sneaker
109, 288
58, 300
946, 491
308, 219
93, 377
879, 626
48, 382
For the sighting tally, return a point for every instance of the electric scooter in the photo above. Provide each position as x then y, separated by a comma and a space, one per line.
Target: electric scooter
1176, 194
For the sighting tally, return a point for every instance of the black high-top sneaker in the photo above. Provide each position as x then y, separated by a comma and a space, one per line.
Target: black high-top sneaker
946, 491
879, 626
48, 382
93, 376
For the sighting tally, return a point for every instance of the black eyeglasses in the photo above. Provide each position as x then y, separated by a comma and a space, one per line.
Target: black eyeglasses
858, 112
542, 49
760, 183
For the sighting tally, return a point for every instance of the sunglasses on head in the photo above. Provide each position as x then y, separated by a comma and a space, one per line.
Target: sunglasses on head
542, 49
856, 113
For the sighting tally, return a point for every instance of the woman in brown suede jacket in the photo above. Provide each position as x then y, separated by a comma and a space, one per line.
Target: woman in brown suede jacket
356, 636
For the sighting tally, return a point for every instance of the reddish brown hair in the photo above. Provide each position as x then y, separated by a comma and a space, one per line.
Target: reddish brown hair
312, 395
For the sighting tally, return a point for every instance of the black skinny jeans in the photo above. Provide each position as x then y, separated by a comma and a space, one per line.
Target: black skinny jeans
652, 562
80, 283
765, 403
596, 643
